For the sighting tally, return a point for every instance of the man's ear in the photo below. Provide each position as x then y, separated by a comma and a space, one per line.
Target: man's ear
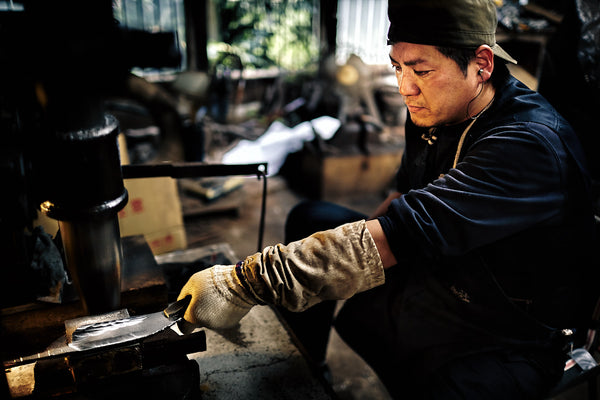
484, 61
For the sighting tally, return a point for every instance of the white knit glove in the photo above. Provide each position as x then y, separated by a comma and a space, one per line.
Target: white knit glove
219, 299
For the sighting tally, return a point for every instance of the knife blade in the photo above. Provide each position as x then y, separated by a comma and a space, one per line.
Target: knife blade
99, 335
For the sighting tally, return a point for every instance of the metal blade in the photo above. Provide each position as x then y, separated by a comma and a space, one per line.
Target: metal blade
118, 331
108, 333
93, 336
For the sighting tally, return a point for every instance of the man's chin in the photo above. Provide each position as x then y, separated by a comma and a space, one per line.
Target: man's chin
421, 122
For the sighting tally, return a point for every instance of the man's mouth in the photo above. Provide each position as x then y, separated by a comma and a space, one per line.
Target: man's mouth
413, 109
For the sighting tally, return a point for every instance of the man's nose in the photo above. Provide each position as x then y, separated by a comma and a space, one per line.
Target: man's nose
406, 85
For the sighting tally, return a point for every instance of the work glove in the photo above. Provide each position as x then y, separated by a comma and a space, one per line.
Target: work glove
329, 265
218, 298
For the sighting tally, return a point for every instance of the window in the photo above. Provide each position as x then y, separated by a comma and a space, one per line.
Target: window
154, 16
11, 5
362, 30
266, 33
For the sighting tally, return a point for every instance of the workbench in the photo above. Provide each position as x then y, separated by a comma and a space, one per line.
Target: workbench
257, 359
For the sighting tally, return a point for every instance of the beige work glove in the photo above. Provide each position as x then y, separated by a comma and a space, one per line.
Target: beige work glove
328, 265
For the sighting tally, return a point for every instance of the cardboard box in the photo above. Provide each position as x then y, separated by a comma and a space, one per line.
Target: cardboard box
357, 174
154, 210
331, 176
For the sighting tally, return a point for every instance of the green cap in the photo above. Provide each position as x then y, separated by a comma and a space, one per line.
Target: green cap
445, 23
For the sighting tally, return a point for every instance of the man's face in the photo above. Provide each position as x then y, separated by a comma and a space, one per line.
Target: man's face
433, 87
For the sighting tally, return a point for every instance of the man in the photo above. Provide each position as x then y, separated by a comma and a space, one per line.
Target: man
485, 246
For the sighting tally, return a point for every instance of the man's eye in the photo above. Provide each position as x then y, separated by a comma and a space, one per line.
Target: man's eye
396, 68
422, 73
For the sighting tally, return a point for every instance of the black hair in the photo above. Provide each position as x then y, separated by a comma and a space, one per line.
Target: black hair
463, 56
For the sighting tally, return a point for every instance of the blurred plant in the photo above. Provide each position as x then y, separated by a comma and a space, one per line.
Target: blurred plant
267, 33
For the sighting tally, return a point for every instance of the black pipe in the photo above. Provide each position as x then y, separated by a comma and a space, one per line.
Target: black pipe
85, 192
191, 170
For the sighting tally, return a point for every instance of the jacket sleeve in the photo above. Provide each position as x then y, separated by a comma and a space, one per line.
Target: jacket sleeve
507, 181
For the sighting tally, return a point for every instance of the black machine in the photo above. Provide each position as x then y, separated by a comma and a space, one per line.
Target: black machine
59, 61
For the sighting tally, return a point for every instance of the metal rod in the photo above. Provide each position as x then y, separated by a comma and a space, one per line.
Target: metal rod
190, 170
261, 227
199, 169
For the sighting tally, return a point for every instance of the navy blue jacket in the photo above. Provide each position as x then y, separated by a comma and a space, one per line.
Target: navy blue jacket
496, 250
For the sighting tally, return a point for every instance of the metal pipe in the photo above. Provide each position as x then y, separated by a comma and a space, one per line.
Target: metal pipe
85, 196
191, 170
94, 258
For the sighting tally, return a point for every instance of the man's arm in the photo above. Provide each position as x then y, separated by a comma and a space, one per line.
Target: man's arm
383, 247
329, 265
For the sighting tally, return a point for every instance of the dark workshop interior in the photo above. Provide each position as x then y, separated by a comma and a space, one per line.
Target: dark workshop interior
145, 140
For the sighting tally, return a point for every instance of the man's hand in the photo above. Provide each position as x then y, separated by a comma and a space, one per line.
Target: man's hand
219, 299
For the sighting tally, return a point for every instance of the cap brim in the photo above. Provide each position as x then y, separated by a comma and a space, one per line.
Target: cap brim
499, 51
